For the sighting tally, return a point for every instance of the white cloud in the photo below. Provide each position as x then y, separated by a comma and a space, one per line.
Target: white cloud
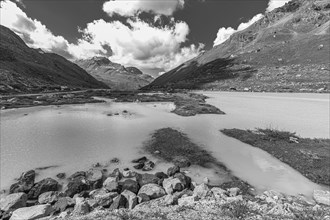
160, 48
126, 44
225, 33
32, 31
132, 7
272, 4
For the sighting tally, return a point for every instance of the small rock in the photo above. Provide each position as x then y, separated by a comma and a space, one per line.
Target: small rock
142, 197
115, 160
139, 166
129, 174
140, 160
157, 152
25, 182
111, 184
13, 201
61, 175
172, 185
201, 191
76, 185
219, 193
94, 178
82, 207
152, 190
44, 185
146, 178
118, 202
322, 197
49, 197
173, 170
116, 173
181, 161
63, 203
148, 166
31, 213
161, 175
131, 198
233, 191
188, 200
130, 185
206, 180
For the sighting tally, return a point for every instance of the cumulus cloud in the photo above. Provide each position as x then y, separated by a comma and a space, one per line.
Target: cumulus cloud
160, 48
127, 43
225, 33
132, 7
272, 4
32, 31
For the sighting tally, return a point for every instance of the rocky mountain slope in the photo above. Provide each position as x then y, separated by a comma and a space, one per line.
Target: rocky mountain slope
286, 50
116, 76
23, 69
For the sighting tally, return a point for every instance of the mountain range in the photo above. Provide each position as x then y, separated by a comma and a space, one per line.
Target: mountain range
116, 76
23, 69
286, 50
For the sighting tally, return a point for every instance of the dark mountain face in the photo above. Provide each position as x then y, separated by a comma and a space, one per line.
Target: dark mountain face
116, 76
23, 69
287, 49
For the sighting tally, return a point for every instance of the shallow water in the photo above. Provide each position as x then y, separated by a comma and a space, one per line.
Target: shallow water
76, 136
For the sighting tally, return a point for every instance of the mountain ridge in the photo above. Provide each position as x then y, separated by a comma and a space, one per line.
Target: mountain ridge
115, 75
289, 41
24, 69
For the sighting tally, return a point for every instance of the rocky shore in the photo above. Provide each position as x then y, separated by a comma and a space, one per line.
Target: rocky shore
127, 194
187, 104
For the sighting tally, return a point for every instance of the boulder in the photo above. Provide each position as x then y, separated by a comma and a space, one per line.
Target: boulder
172, 185
118, 202
95, 178
142, 197
322, 197
42, 186
140, 160
76, 185
148, 166
130, 185
173, 170
152, 190
82, 207
111, 184
78, 175
49, 197
201, 191
25, 182
146, 178
63, 203
31, 213
131, 198
13, 201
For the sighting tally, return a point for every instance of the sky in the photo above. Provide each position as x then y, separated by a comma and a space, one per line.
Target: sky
153, 35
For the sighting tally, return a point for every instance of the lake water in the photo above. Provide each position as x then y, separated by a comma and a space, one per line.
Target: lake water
74, 137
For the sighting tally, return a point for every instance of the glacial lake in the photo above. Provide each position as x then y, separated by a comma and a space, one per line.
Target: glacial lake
73, 137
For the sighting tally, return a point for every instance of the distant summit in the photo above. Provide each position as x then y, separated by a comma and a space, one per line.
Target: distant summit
286, 50
116, 76
23, 69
